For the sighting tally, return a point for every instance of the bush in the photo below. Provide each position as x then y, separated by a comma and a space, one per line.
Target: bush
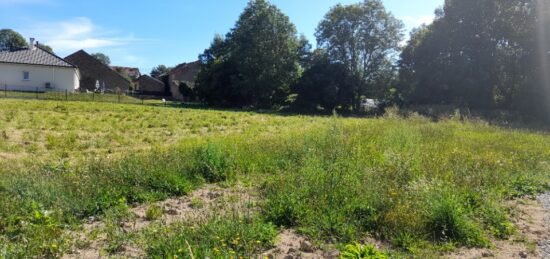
358, 251
153, 212
284, 210
448, 222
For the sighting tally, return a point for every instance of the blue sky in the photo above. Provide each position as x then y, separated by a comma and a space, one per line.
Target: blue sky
147, 33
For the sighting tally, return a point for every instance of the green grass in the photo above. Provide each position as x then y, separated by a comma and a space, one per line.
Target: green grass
418, 184
68, 96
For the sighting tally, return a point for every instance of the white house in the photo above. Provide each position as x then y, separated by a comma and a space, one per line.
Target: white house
33, 68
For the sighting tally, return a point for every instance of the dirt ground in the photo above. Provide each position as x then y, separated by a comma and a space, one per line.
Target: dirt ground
531, 221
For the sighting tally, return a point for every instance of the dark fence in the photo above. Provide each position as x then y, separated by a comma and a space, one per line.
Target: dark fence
131, 97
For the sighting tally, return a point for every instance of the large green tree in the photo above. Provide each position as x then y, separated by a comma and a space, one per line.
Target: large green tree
325, 85
364, 37
480, 54
10, 40
256, 63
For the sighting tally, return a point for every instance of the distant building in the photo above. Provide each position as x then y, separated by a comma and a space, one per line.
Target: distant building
33, 68
96, 76
184, 73
132, 72
151, 86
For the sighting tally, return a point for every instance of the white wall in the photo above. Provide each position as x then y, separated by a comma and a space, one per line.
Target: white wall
61, 78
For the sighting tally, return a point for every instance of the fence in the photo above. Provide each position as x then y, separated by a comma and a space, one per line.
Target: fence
130, 97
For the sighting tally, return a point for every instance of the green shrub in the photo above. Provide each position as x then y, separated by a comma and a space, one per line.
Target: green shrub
153, 212
497, 221
448, 222
358, 251
284, 210
524, 185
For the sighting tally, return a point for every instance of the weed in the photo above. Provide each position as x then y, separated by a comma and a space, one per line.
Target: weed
358, 251
213, 163
196, 203
216, 238
153, 212
448, 222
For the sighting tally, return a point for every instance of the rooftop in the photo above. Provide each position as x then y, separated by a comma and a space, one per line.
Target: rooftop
36, 56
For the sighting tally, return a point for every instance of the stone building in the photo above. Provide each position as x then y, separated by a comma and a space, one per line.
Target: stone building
96, 76
183, 73
151, 86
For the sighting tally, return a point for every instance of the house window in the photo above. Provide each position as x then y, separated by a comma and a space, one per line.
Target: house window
26, 76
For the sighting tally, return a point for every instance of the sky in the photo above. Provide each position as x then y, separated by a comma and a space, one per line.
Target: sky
146, 33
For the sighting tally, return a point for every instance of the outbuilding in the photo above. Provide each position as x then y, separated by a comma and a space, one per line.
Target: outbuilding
151, 86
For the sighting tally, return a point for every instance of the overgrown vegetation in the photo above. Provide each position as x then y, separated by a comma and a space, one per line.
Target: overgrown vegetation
416, 183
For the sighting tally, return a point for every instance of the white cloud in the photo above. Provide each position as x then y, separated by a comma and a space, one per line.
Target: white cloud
23, 2
75, 34
415, 21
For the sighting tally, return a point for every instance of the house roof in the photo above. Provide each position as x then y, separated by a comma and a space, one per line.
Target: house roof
38, 56
150, 78
132, 71
78, 56
185, 71
184, 66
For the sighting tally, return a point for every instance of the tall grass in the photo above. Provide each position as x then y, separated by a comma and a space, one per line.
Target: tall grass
411, 181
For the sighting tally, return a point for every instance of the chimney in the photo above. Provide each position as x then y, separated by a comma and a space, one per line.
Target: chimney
32, 46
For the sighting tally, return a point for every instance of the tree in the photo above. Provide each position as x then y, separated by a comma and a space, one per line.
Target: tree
159, 70
325, 85
44, 47
216, 81
480, 54
102, 58
258, 60
10, 40
365, 38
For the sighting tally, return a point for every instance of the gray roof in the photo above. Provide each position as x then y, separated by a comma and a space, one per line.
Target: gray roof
152, 78
37, 56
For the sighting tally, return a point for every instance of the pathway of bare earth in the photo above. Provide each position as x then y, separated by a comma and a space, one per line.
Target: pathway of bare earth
544, 245
93, 241
202, 204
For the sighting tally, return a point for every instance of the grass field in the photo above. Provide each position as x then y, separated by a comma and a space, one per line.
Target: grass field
418, 185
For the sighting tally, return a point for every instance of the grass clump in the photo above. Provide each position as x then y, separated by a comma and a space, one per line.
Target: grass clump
232, 237
213, 163
153, 212
448, 222
358, 251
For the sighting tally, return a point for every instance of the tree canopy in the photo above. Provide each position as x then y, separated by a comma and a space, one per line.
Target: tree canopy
102, 58
159, 70
365, 38
45, 47
256, 63
480, 54
10, 40
325, 85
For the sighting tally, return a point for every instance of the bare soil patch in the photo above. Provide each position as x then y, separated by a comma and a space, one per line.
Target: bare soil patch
199, 205
291, 245
530, 218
